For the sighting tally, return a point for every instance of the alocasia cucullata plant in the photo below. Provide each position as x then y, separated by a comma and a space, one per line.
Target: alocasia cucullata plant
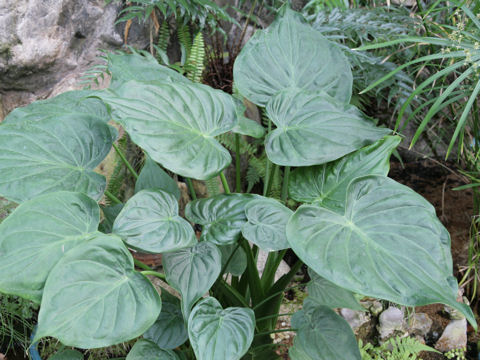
358, 231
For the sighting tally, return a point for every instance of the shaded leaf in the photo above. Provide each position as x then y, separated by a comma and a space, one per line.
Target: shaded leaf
67, 355
148, 350
153, 176
110, 213
217, 333
238, 261
149, 222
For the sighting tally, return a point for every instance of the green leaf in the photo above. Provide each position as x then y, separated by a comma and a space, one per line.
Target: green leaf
267, 222
144, 68
169, 331
110, 213
238, 261
313, 129
222, 216
38, 234
149, 222
192, 272
323, 292
148, 350
153, 176
389, 244
176, 124
72, 103
249, 127
67, 355
57, 153
327, 184
217, 333
291, 54
322, 335
94, 298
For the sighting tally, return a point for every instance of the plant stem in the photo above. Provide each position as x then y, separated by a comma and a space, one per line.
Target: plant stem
268, 170
224, 183
125, 161
112, 197
191, 189
274, 331
229, 259
274, 315
269, 184
256, 290
238, 182
141, 265
155, 273
286, 175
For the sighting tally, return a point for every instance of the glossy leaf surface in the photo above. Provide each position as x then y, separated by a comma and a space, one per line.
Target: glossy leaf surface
71, 103
169, 330
388, 244
222, 216
192, 272
313, 129
94, 298
54, 154
322, 335
324, 292
176, 124
148, 350
149, 222
38, 234
327, 184
291, 54
220, 334
266, 225
153, 176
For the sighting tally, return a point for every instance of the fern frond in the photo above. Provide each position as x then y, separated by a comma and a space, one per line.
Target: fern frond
213, 186
184, 38
195, 64
162, 43
94, 73
117, 178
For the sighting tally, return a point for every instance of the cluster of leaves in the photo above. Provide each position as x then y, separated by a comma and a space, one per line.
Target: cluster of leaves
358, 231
396, 348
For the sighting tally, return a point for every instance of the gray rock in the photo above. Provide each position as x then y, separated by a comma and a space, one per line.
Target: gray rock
44, 44
391, 321
283, 268
356, 319
454, 336
420, 324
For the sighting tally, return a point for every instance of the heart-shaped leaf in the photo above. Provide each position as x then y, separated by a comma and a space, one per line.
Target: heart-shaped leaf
267, 222
149, 222
322, 335
216, 333
388, 244
140, 67
78, 103
192, 272
153, 176
246, 126
57, 153
312, 129
169, 331
323, 292
291, 54
176, 124
38, 234
327, 184
148, 350
67, 355
222, 216
93, 297
236, 257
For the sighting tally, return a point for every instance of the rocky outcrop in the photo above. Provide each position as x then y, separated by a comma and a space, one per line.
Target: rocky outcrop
45, 45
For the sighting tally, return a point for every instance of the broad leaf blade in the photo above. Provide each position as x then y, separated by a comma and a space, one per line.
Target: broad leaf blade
266, 225
153, 176
94, 298
192, 272
327, 184
291, 54
54, 154
237, 262
38, 234
222, 216
169, 330
322, 335
148, 350
78, 103
216, 333
324, 292
67, 355
176, 124
388, 244
149, 222
313, 129
249, 127
110, 213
